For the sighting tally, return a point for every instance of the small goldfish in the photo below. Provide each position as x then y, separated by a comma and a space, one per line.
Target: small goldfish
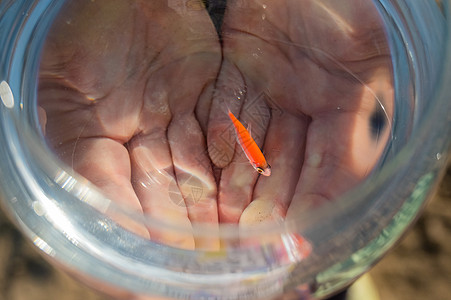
250, 148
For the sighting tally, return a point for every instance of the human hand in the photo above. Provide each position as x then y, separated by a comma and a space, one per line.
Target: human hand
125, 89
313, 80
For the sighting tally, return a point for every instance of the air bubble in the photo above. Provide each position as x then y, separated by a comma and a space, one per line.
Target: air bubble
6, 95
38, 208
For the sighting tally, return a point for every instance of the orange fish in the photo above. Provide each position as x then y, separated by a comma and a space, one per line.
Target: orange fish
250, 148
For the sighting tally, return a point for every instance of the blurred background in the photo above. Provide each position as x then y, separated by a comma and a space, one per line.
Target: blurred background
418, 268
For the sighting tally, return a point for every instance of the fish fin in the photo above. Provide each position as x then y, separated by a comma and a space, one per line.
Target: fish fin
225, 107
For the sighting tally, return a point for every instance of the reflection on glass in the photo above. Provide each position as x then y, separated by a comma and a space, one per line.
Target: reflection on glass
136, 95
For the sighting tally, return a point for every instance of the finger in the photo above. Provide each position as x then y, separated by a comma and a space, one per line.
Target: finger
230, 93
194, 175
155, 184
343, 148
239, 177
235, 190
284, 146
105, 163
329, 170
192, 167
74, 131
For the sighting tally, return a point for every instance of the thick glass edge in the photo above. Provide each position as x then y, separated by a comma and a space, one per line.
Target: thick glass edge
406, 155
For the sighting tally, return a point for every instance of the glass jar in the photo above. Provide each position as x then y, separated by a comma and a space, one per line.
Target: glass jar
321, 251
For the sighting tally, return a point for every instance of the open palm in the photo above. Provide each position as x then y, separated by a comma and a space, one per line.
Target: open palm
122, 85
312, 79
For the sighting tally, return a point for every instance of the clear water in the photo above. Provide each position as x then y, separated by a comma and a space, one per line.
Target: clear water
148, 126
148, 123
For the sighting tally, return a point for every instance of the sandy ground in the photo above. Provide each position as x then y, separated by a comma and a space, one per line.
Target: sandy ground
418, 268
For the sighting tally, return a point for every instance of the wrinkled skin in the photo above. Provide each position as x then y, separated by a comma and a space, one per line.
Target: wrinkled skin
120, 98
313, 80
132, 100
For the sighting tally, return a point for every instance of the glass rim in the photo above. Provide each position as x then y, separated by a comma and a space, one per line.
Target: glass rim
44, 170
54, 169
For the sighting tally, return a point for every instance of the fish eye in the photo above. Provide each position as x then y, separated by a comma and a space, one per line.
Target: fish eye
260, 170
